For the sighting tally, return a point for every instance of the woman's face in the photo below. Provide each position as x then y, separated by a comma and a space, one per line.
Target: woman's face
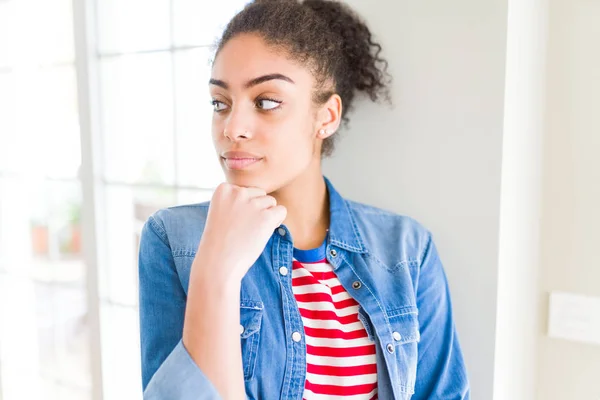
265, 128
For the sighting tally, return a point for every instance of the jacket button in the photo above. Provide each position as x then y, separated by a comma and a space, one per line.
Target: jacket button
281, 231
390, 348
283, 271
241, 329
356, 285
397, 336
296, 337
333, 253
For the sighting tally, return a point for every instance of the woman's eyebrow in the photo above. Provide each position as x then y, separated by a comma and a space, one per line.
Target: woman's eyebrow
252, 82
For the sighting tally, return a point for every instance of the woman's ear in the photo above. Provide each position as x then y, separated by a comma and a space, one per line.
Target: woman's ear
329, 117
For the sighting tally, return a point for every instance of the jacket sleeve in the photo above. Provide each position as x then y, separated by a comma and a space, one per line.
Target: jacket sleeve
168, 371
441, 371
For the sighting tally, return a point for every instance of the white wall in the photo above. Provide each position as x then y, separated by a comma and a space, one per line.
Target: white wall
518, 310
571, 208
437, 155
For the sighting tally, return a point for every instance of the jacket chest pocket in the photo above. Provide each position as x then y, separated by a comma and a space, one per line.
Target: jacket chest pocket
250, 322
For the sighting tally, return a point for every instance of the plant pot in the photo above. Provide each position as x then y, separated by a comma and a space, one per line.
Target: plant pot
75, 239
39, 240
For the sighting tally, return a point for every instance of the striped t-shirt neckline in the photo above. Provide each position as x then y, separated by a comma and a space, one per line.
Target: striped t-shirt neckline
341, 362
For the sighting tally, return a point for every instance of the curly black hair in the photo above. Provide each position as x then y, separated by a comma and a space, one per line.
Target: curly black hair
329, 38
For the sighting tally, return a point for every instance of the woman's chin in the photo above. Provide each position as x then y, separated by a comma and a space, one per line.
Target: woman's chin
245, 180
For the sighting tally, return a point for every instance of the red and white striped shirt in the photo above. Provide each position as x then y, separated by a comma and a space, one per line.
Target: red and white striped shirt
340, 359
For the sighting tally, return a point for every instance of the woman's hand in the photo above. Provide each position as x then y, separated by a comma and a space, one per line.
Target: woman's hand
239, 224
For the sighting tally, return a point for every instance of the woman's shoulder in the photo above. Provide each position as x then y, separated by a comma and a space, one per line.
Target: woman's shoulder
370, 214
390, 235
180, 226
176, 215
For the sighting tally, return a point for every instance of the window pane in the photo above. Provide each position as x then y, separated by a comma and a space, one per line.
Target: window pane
7, 14
133, 25
187, 196
137, 118
197, 162
44, 343
36, 32
121, 367
201, 22
42, 136
8, 138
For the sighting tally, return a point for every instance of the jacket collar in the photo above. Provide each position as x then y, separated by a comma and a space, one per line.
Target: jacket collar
343, 231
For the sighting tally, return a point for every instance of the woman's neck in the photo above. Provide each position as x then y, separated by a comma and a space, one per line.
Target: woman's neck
307, 204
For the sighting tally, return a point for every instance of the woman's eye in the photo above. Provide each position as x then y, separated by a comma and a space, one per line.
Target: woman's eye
218, 105
267, 104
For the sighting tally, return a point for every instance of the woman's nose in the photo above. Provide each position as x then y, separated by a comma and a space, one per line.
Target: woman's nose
236, 135
237, 127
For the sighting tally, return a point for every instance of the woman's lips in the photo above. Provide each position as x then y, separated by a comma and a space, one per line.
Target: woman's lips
240, 163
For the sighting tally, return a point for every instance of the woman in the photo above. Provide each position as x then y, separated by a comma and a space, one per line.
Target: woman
328, 298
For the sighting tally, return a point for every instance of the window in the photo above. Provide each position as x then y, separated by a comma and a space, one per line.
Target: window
68, 317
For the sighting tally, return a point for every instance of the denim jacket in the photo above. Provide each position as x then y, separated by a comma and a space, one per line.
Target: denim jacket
387, 262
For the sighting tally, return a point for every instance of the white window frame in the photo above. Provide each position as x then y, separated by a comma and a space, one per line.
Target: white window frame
87, 98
